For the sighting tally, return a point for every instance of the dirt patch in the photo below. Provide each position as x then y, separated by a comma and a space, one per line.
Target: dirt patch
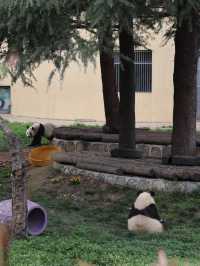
5, 158
49, 181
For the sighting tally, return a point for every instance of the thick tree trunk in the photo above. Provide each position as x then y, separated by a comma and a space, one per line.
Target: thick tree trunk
185, 92
127, 93
18, 181
111, 100
127, 96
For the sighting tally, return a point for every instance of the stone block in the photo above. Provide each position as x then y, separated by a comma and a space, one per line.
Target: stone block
70, 146
156, 151
113, 146
99, 147
166, 151
80, 146
84, 145
144, 149
58, 142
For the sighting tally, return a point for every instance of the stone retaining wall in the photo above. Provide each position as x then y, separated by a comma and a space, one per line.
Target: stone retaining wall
148, 150
136, 182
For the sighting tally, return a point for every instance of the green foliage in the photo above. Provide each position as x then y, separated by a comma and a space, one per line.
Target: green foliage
182, 12
62, 31
43, 30
3, 71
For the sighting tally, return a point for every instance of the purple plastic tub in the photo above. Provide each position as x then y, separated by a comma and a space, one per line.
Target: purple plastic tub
36, 217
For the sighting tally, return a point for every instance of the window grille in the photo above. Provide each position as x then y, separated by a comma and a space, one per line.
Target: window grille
143, 70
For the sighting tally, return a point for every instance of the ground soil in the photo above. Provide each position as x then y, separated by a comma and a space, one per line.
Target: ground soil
5, 157
48, 180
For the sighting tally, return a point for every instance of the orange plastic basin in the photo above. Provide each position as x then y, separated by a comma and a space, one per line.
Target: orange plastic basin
42, 156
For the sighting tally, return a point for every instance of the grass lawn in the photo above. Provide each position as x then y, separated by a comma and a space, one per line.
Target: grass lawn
88, 222
20, 130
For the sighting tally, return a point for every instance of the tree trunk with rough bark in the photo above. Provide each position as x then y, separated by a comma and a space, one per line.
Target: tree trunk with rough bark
110, 96
185, 92
18, 182
127, 144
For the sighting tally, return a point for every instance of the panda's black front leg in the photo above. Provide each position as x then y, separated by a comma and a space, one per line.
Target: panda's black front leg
50, 139
36, 141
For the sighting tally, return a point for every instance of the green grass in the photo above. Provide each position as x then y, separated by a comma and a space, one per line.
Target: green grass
93, 227
162, 129
20, 130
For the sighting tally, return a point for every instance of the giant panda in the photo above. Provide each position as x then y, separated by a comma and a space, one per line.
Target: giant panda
143, 216
38, 130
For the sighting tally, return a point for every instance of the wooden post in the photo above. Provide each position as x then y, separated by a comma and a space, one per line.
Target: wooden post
18, 182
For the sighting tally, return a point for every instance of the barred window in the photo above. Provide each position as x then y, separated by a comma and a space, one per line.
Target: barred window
143, 70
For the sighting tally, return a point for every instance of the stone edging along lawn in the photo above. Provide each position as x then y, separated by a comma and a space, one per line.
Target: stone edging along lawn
140, 183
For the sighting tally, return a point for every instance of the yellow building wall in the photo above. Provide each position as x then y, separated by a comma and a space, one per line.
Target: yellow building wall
79, 95
157, 106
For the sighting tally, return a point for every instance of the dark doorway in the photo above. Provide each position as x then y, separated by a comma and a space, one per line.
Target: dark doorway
5, 100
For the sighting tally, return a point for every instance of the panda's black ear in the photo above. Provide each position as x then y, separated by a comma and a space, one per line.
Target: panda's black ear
139, 192
27, 126
152, 193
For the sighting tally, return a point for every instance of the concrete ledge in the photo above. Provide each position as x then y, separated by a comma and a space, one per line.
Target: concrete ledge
140, 183
55, 121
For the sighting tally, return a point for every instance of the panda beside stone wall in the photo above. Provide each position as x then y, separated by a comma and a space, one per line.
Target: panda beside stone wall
39, 130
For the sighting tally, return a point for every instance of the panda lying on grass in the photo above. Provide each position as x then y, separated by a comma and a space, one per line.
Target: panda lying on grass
38, 130
143, 216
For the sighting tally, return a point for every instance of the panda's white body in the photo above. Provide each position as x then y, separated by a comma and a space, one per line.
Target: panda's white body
142, 223
38, 130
